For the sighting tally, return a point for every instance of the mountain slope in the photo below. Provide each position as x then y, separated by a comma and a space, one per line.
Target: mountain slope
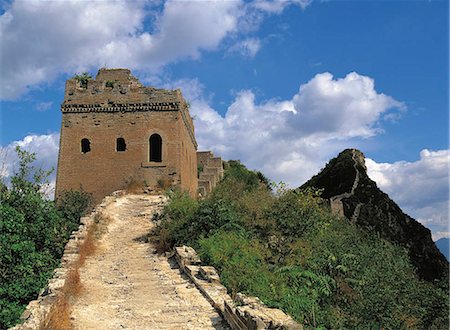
353, 194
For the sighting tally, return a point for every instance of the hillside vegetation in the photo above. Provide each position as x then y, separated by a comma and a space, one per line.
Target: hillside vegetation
285, 247
33, 233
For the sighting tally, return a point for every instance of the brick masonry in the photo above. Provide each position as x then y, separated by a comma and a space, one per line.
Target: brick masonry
211, 172
116, 105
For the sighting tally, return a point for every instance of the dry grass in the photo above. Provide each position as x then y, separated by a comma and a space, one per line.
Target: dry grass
59, 317
89, 246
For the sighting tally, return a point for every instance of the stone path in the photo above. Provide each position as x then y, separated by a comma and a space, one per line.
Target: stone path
127, 286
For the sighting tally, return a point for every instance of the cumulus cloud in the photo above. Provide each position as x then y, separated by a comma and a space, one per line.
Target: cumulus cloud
46, 148
291, 139
40, 39
421, 188
346, 107
43, 39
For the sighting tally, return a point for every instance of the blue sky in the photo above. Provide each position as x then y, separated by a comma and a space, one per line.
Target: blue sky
283, 86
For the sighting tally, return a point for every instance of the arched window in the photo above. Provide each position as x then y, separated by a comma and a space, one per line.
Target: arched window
85, 146
120, 144
155, 145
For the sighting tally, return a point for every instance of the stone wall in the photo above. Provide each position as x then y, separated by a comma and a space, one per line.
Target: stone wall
211, 172
36, 314
245, 313
116, 105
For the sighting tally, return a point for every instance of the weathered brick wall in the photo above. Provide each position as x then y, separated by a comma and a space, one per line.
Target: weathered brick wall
188, 160
116, 105
211, 172
203, 157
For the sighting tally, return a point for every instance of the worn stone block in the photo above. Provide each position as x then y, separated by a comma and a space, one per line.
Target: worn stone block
210, 274
185, 255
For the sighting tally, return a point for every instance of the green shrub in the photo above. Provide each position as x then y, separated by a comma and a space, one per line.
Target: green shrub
184, 220
240, 261
237, 181
33, 233
72, 205
83, 79
287, 249
172, 222
295, 213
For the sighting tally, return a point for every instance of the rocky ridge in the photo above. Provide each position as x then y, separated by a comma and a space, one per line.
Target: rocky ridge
353, 194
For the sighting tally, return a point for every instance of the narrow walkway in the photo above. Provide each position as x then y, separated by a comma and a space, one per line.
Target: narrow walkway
127, 286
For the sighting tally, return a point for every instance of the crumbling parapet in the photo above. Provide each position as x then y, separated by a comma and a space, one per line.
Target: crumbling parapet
246, 313
211, 172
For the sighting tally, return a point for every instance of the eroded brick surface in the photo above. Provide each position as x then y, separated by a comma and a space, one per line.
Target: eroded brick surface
116, 105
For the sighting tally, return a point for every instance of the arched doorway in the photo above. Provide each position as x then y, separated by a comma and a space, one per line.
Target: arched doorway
155, 148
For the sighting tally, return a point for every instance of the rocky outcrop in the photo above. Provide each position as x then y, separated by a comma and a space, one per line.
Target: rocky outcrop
353, 194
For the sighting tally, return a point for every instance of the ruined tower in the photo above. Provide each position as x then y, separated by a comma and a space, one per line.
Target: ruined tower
115, 131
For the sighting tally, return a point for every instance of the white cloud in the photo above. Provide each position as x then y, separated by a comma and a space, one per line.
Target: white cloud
290, 140
46, 148
277, 6
440, 234
348, 107
248, 47
43, 39
40, 39
421, 188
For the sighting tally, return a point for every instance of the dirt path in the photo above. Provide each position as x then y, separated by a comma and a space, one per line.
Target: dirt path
127, 286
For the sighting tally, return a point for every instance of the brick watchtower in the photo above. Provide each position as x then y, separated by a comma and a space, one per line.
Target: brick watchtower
115, 131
